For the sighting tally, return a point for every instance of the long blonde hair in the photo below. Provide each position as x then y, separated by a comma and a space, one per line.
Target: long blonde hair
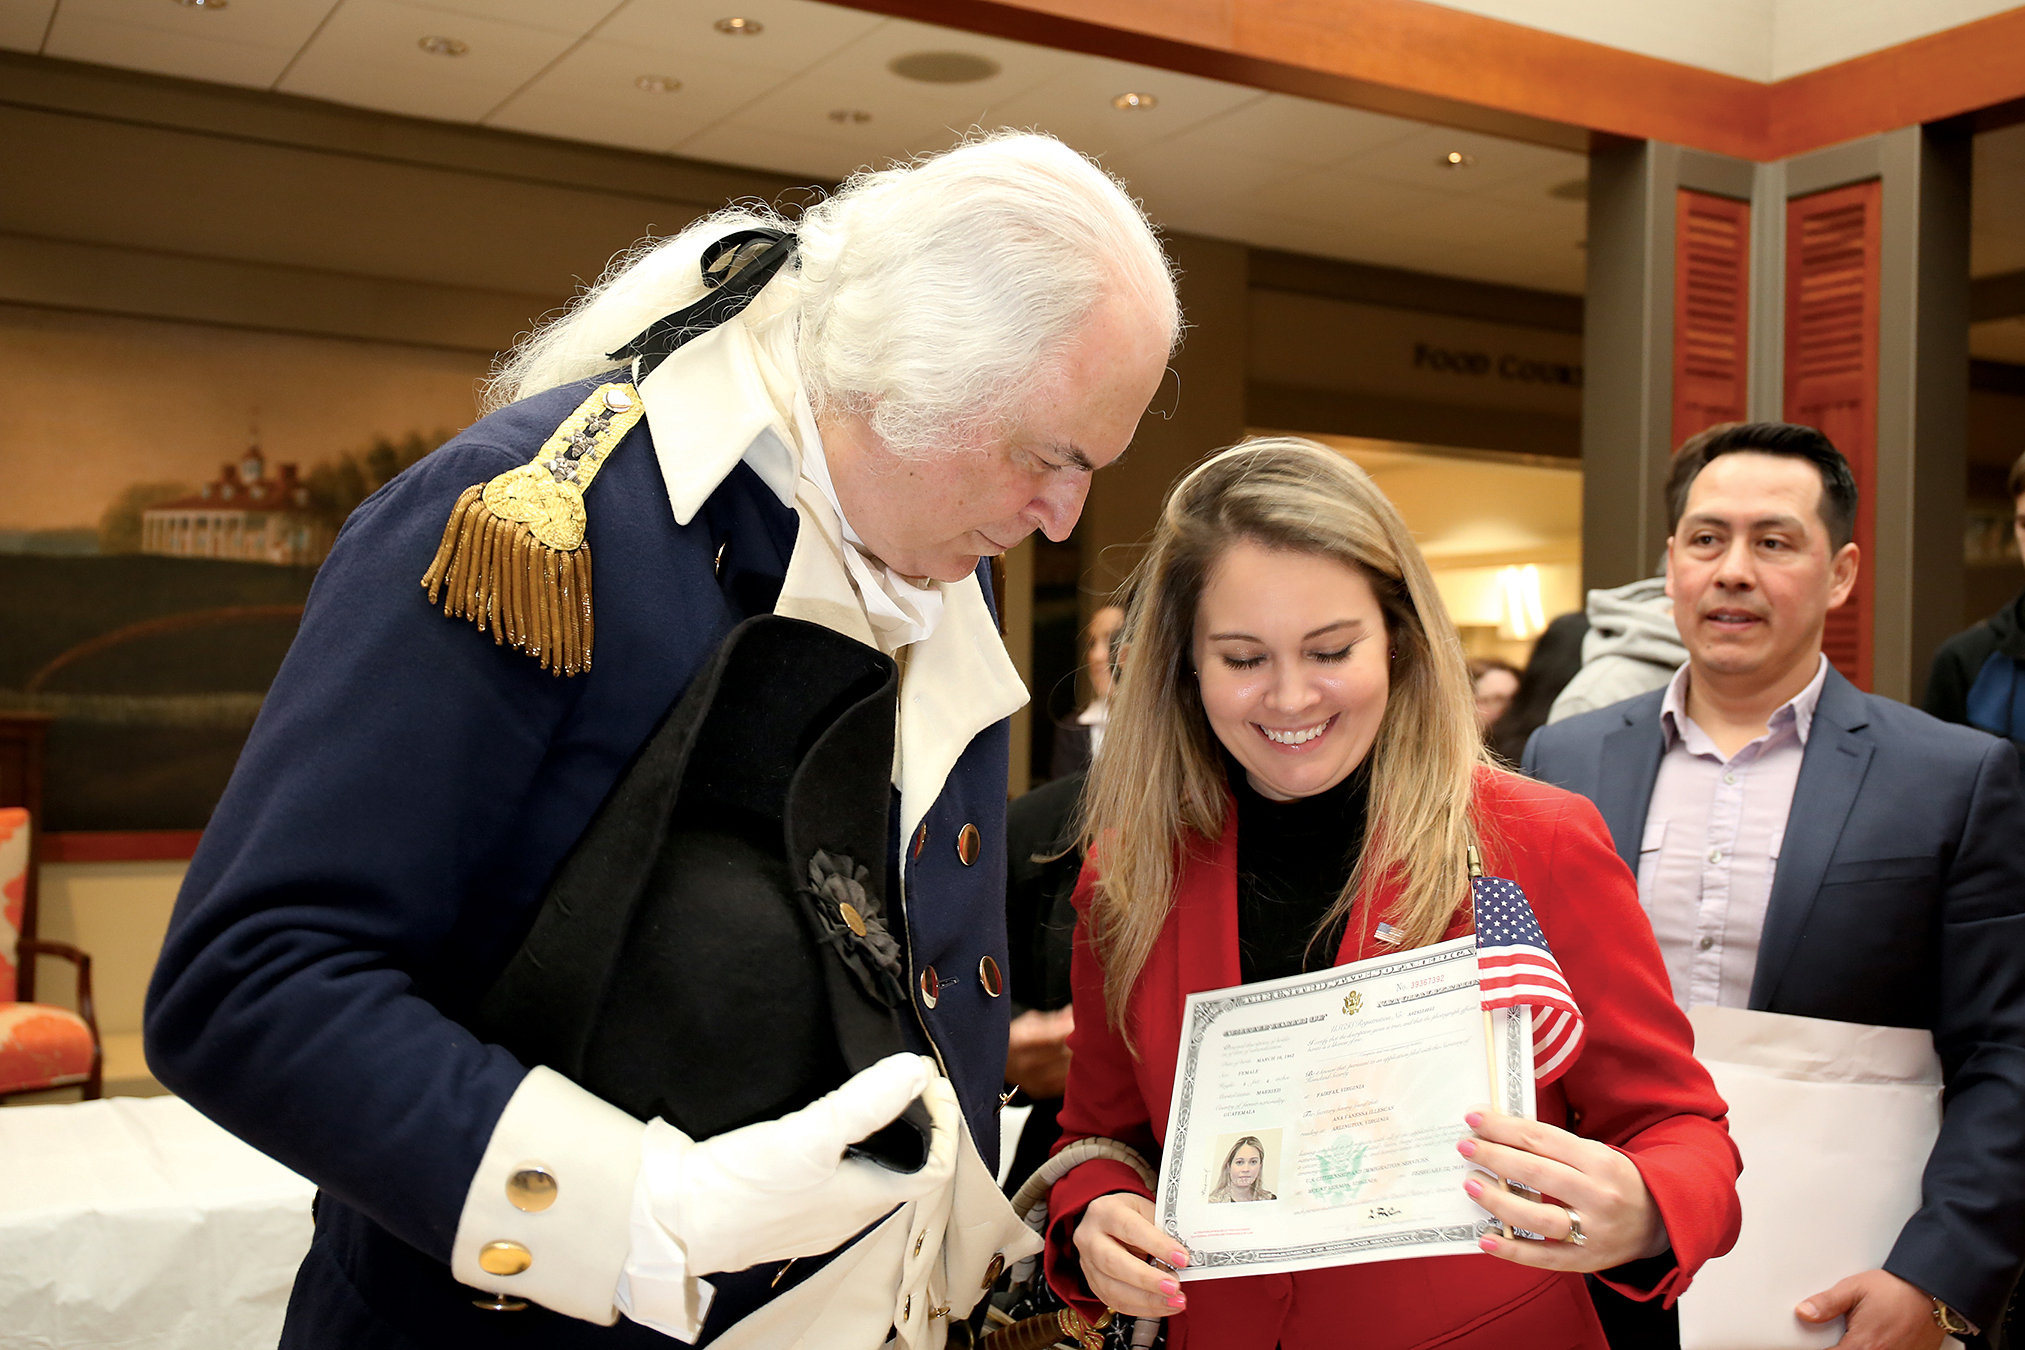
1157, 786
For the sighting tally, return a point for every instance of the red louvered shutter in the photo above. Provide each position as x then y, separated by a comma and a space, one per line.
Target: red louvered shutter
1831, 370
1711, 311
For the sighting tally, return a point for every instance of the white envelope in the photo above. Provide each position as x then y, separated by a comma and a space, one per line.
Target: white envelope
1835, 1122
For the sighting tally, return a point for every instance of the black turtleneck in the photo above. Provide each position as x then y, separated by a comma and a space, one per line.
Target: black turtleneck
1294, 859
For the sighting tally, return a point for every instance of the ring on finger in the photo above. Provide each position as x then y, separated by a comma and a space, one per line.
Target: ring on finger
1576, 1237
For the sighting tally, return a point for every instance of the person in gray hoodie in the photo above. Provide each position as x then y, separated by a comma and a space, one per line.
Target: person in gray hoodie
1632, 646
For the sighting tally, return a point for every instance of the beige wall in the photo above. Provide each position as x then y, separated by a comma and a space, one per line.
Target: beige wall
96, 402
202, 252
118, 913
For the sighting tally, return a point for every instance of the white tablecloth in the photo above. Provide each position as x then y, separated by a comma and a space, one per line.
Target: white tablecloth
135, 1222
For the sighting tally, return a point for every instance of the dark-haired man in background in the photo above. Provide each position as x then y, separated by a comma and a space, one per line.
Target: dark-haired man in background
1803, 847
1978, 677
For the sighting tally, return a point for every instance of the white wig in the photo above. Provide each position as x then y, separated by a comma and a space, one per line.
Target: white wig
935, 300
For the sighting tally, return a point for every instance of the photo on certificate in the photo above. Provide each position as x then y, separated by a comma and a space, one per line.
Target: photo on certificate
1315, 1118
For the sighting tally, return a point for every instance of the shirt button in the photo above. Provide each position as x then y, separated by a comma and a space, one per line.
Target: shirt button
1715, 855
1730, 779
1707, 943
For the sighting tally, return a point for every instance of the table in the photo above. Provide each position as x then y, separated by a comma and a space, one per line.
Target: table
137, 1224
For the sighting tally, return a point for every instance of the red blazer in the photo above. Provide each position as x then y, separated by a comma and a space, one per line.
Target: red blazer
1635, 1086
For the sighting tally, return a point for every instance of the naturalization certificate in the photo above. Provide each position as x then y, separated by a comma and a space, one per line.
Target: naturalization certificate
1315, 1118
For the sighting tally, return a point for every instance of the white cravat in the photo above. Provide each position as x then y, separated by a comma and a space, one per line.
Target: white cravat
901, 611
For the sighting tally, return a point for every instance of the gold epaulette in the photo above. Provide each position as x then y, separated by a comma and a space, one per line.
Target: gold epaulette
513, 558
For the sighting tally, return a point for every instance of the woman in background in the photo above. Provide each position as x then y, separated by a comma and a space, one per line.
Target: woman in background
1292, 781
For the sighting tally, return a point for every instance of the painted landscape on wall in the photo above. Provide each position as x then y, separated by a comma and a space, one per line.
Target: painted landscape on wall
150, 641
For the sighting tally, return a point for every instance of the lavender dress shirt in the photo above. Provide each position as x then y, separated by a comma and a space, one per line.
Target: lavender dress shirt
1711, 843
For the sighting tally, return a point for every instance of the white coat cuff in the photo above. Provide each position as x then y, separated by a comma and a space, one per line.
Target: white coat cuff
656, 1289
576, 1246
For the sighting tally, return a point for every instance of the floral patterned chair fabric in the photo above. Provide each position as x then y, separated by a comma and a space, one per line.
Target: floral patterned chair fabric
41, 1046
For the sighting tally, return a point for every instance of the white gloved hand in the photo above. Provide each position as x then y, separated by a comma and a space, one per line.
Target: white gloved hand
784, 1188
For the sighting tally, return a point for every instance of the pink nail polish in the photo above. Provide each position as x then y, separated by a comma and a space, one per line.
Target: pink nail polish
1473, 1188
1177, 1303
1177, 1259
1489, 1244
1473, 1119
1468, 1148
1169, 1287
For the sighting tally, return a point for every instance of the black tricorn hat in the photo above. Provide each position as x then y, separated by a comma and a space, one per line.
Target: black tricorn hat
714, 950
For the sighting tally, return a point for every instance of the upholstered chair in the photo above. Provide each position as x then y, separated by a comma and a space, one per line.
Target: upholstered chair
41, 1046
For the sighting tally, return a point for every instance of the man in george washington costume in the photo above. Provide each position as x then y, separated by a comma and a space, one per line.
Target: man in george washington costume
607, 909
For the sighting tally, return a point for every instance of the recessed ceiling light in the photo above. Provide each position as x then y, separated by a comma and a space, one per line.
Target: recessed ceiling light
1574, 190
849, 115
1456, 159
943, 67
1129, 102
203, 4
437, 45
740, 27
658, 84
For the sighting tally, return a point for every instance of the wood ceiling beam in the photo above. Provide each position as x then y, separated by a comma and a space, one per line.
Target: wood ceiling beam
1444, 66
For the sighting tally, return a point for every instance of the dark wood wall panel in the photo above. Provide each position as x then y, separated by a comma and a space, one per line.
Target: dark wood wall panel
1831, 370
1711, 311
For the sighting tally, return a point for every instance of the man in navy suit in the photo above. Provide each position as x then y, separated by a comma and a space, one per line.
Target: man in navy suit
1803, 847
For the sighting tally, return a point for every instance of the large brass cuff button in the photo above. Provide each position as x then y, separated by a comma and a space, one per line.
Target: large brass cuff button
531, 1188
504, 1258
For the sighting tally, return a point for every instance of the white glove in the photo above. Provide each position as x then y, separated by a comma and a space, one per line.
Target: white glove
770, 1191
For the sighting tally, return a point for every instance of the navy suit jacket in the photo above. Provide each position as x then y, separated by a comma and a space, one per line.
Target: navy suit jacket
1898, 900
384, 844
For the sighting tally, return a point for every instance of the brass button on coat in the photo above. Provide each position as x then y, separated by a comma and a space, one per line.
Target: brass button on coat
852, 919
921, 839
968, 844
988, 976
931, 988
994, 1270
504, 1258
531, 1188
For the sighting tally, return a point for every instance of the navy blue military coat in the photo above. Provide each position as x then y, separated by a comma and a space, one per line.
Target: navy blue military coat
385, 840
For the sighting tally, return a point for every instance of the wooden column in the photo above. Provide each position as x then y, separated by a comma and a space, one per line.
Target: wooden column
1873, 349
1665, 336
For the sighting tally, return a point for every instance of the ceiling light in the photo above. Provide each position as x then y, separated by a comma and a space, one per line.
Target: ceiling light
658, 84
203, 4
849, 115
1456, 159
943, 67
1129, 102
437, 45
740, 27
1574, 190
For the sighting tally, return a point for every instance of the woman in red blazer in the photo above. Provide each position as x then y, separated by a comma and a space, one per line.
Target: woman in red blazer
1292, 779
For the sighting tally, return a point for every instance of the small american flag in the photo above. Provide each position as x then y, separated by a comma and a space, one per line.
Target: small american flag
1515, 966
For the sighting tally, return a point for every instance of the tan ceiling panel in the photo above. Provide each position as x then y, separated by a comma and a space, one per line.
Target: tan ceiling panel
1299, 132
23, 22
572, 17
1021, 66
1077, 105
873, 120
794, 34
244, 45
369, 54
594, 94
1420, 159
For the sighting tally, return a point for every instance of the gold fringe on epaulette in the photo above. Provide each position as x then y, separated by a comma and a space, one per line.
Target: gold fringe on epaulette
495, 573
514, 559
